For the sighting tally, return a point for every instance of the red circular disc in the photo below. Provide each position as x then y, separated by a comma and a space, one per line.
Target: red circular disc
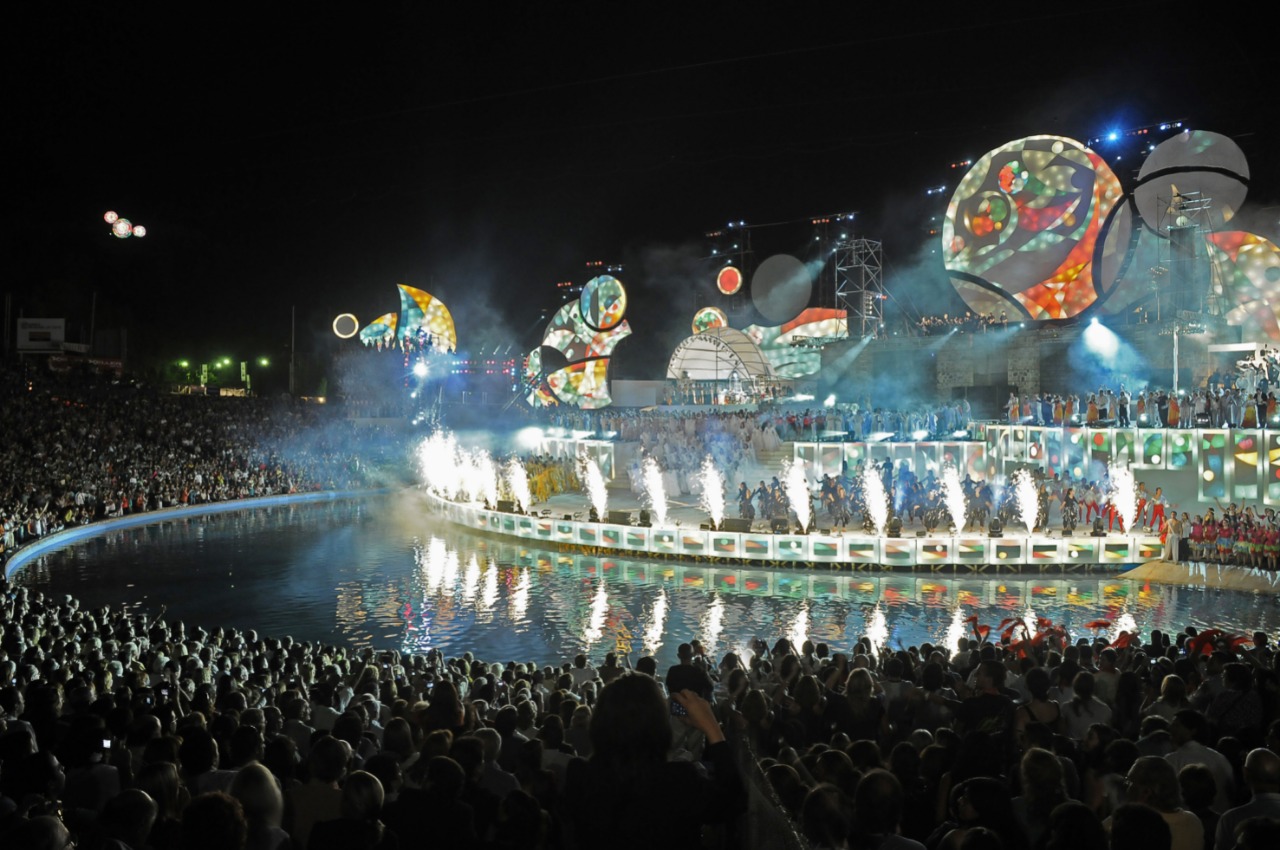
729, 280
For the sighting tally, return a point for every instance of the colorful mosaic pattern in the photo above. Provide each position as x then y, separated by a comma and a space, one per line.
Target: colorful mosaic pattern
708, 318
604, 301
380, 330
1025, 224
422, 312
1248, 268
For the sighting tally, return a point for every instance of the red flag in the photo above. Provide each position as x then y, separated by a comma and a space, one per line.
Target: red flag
1098, 624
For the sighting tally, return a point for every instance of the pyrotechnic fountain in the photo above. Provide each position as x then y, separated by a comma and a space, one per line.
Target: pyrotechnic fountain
876, 499
438, 463
1029, 619
1024, 491
486, 478
597, 492
796, 483
712, 497
1124, 496
953, 497
655, 490
518, 482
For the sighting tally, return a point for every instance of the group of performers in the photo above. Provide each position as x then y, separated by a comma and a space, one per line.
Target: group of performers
914, 499
1240, 536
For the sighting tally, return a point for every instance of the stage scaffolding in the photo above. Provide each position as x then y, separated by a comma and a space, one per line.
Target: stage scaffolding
1193, 285
857, 270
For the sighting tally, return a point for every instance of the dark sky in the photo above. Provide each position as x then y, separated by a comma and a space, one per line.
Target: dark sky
279, 156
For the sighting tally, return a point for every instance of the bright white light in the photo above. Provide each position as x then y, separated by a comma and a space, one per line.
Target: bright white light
1124, 495
110, 216
953, 496
655, 490
830, 401
796, 485
1102, 341
529, 438
1027, 498
420, 369
657, 627
597, 492
919, 435
877, 632
139, 231
876, 498
518, 483
712, 497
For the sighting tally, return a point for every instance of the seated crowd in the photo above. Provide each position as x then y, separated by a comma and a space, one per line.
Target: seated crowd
76, 451
121, 730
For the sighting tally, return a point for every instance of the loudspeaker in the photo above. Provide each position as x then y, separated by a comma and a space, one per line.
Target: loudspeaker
779, 526
506, 506
739, 526
618, 517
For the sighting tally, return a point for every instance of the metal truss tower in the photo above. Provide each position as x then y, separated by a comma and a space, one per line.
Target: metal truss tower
1193, 282
858, 276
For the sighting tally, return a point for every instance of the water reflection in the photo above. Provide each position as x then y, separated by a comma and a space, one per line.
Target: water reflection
380, 573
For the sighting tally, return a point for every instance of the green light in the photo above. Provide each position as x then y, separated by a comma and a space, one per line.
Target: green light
184, 364
262, 361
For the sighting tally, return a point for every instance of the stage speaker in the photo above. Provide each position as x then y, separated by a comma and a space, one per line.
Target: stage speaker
506, 506
646, 519
779, 526
737, 526
618, 517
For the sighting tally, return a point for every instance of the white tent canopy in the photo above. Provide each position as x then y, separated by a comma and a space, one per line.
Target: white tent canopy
715, 355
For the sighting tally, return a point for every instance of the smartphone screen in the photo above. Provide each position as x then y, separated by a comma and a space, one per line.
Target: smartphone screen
678, 710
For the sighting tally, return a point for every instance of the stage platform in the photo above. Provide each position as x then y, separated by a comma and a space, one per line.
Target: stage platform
851, 551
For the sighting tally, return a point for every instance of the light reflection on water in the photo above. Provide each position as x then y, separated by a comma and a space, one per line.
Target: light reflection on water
381, 572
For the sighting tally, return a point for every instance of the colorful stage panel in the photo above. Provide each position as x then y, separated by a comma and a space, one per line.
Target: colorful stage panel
1151, 453
1212, 467
1008, 550
665, 541
862, 550
1271, 467
695, 542
932, 550
824, 549
1182, 450
726, 545
1246, 456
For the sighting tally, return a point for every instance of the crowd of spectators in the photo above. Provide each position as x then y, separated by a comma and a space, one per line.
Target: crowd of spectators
124, 730
77, 449
970, 322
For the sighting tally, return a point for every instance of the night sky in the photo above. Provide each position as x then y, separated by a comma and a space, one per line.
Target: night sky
483, 152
